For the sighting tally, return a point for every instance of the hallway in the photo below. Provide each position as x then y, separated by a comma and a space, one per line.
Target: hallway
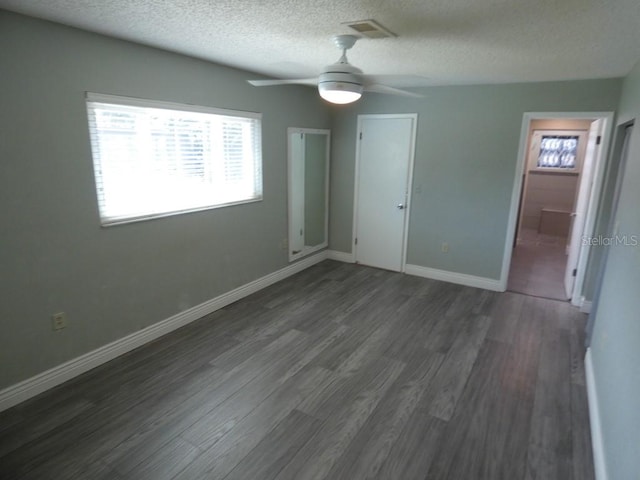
538, 265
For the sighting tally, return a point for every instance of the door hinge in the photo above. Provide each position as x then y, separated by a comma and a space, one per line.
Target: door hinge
356, 242
598, 140
360, 135
574, 273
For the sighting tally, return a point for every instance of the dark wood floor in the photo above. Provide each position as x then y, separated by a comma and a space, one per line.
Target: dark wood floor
340, 372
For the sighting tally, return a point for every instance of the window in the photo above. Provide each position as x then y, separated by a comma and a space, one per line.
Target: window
153, 159
558, 151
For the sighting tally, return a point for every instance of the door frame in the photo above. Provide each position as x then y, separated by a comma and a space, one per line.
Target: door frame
412, 154
619, 160
291, 131
577, 298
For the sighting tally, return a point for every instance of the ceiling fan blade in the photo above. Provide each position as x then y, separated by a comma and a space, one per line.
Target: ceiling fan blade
398, 81
378, 88
290, 81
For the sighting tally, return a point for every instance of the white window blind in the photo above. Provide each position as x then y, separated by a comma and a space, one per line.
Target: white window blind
155, 159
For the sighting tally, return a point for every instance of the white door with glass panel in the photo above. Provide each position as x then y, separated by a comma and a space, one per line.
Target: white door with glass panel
384, 164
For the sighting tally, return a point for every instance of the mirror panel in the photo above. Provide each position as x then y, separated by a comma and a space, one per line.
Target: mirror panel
308, 190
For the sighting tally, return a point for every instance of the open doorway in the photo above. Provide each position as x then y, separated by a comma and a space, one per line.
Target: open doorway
560, 165
554, 164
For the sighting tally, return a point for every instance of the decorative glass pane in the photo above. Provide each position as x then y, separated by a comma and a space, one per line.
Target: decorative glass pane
558, 151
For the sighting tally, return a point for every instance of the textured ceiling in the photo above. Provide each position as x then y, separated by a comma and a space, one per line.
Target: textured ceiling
446, 41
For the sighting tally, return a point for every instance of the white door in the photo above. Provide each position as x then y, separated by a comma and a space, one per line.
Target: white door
384, 165
579, 214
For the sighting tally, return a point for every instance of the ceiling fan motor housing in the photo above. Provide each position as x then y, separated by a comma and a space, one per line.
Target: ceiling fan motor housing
340, 78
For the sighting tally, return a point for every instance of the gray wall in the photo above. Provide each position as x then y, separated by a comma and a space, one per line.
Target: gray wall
465, 165
615, 346
54, 256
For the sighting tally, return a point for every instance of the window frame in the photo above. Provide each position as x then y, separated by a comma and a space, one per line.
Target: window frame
537, 136
116, 100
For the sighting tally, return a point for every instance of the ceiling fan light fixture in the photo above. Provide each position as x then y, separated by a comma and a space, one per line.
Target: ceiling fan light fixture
339, 88
340, 93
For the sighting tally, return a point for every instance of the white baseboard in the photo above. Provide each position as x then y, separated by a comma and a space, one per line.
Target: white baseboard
453, 277
594, 419
37, 384
578, 301
340, 256
585, 307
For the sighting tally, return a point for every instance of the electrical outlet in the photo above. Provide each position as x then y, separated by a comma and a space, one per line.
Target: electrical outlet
59, 321
445, 247
284, 244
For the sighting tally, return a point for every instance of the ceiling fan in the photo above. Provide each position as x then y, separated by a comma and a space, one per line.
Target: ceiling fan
341, 82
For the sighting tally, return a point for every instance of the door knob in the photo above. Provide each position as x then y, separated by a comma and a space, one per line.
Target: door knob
400, 206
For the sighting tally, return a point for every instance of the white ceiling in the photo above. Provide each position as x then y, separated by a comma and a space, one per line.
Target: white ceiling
446, 41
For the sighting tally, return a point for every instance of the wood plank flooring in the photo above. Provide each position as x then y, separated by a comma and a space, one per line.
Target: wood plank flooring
340, 372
